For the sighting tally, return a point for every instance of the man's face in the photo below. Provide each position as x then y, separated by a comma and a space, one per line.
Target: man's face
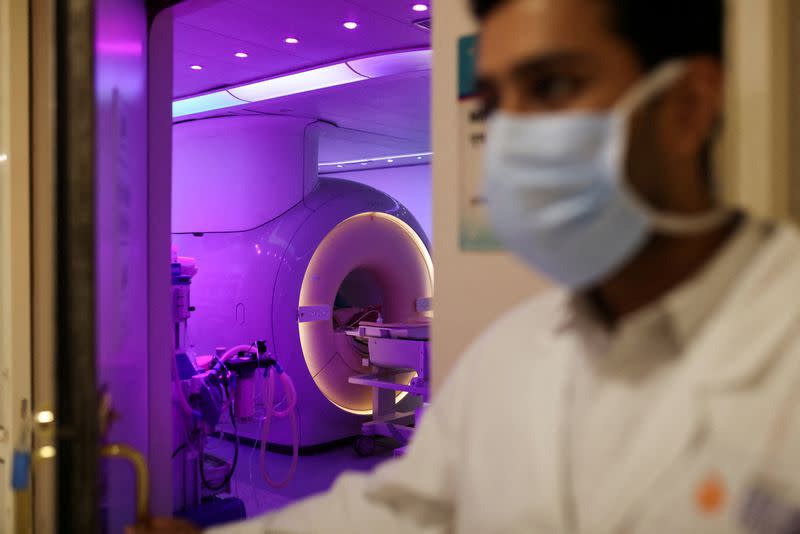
551, 56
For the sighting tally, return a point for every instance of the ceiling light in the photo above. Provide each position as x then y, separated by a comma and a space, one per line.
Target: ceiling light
420, 7
241, 54
199, 104
196, 67
350, 25
301, 82
395, 63
291, 40
309, 80
387, 159
3, 157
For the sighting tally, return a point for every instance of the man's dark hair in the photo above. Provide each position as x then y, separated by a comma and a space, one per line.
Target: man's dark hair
658, 30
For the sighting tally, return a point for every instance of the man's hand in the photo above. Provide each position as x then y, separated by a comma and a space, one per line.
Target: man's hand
163, 526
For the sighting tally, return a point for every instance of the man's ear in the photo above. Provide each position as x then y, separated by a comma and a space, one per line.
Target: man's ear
693, 107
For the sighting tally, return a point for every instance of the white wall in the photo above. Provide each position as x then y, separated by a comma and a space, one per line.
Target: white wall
472, 289
411, 186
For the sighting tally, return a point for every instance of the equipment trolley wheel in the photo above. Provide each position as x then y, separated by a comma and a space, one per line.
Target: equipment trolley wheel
365, 446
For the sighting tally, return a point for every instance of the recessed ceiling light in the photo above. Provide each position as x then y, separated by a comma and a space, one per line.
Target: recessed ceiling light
388, 159
350, 25
196, 67
241, 54
340, 166
291, 40
420, 7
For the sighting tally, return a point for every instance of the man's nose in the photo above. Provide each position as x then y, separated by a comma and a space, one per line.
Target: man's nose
511, 101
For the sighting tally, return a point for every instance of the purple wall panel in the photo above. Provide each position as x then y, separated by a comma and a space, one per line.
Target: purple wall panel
121, 106
235, 173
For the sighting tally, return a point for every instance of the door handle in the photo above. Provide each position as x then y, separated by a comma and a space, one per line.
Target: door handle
136, 459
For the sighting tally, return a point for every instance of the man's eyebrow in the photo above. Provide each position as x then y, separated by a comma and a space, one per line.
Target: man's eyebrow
536, 65
545, 63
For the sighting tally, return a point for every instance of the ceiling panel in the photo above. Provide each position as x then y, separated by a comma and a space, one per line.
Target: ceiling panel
220, 67
396, 9
217, 29
373, 118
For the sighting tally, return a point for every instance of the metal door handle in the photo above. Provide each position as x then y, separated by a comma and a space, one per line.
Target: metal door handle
126, 452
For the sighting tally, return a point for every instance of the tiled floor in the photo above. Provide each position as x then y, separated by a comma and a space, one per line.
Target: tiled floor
314, 474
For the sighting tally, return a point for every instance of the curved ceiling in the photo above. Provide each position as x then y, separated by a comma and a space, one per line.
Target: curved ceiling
376, 117
210, 32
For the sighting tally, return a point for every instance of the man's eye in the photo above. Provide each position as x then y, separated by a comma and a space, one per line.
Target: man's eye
555, 91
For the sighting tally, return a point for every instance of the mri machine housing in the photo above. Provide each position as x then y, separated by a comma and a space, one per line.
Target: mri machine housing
270, 236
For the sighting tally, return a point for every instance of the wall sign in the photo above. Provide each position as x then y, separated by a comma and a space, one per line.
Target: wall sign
475, 230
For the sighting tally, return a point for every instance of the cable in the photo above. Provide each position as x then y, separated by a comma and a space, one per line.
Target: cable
353, 322
178, 450
291, 412
235, 462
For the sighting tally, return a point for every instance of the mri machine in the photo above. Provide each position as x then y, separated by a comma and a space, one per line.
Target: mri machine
284, 255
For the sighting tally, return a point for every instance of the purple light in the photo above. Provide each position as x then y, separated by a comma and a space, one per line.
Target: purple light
128, 48
258, 249
387, 159
309, 80
420, 7
199, 104
241, 54
350, 25
301, 82
291, 40
395, 63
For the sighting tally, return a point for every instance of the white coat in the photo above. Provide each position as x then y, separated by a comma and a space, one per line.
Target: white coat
720, 452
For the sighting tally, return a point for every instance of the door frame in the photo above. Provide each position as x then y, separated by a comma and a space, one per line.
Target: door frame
15, 247
77, 464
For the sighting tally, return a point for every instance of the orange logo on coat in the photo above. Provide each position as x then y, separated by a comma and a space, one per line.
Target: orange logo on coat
711, 494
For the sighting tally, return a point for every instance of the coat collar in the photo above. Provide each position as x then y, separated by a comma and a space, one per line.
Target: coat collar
753, 319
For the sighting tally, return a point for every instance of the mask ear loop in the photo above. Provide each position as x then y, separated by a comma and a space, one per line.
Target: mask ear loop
670, 223
652, 86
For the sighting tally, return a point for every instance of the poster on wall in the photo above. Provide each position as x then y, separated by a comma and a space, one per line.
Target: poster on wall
475, 231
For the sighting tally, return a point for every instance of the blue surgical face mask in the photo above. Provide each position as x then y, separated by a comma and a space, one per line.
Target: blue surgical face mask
558, 194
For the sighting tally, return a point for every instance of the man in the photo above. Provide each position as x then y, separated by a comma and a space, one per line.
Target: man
657, 390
